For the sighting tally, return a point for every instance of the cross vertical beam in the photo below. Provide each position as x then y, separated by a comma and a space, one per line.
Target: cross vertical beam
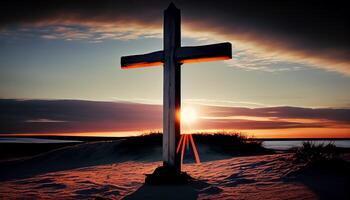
171, 88
172, 57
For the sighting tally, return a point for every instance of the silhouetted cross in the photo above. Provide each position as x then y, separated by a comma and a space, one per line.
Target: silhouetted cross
172, 57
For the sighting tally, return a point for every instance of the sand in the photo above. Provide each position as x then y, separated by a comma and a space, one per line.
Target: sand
97, 171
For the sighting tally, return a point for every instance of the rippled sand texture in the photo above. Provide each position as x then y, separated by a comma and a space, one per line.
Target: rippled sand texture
254, 177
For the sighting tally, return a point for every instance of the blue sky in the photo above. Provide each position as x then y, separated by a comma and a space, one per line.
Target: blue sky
39, 68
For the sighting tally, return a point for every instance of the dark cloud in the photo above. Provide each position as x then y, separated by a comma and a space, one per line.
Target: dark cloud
32, 116
340, 115
313, 32
274, 117
60, 116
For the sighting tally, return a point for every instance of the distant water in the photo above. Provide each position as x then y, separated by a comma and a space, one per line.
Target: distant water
270, 144
34, 140
284, 145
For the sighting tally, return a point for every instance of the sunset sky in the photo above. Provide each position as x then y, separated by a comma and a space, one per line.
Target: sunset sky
289, 76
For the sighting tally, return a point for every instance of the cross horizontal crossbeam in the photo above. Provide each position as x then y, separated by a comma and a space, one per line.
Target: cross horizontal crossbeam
213, 52
143, 60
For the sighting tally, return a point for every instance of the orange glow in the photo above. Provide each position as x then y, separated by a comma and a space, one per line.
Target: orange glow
178, 115
209, 59
240, 118
179, 144
301, 133
332, 132
142, 64
194, 150
183, 147
185, 140
193, 60
282, 132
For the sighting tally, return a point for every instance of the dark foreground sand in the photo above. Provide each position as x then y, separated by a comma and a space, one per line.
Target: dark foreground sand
98, 171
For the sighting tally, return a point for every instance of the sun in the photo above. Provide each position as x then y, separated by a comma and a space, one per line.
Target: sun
188, 115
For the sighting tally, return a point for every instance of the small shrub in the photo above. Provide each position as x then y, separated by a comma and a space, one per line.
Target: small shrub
233, 143
312, 152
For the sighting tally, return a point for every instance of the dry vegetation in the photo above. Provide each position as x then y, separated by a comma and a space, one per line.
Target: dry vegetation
221, 142
312, 152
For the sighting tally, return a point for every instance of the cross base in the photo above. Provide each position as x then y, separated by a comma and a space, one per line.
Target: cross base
164, 175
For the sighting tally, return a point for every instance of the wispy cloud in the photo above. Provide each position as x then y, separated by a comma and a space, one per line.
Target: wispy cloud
43, 121
214, 102
272, 36
250, 61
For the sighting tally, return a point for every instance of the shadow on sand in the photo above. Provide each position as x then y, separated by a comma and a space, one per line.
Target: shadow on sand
176, 192
328, 179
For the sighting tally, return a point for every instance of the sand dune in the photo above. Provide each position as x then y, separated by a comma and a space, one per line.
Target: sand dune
106, 171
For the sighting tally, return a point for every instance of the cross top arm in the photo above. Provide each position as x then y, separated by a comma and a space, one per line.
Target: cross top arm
190, 54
